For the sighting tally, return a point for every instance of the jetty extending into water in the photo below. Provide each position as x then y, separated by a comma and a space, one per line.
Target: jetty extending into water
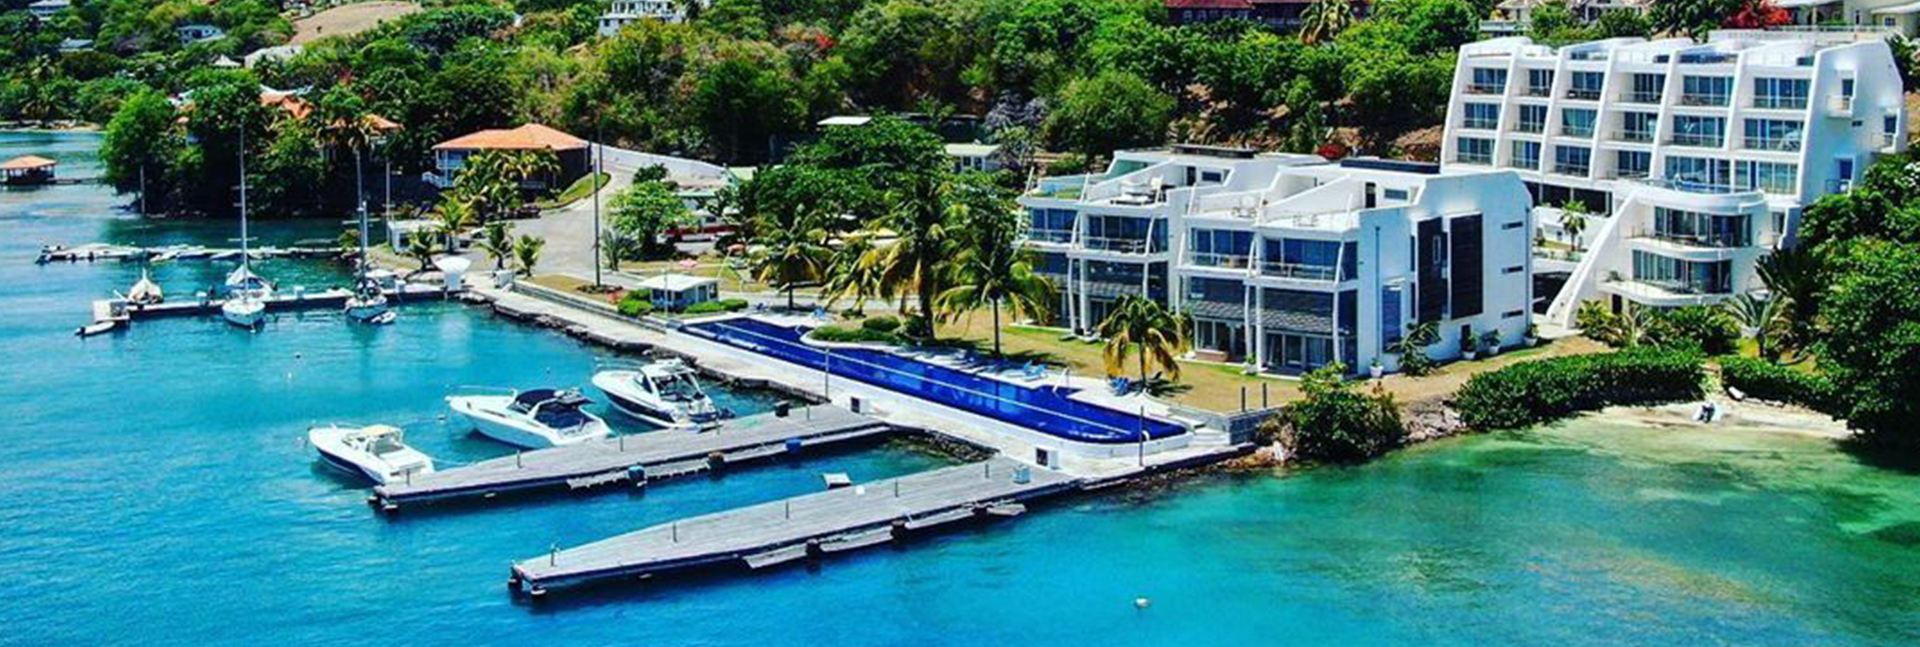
98, 252
112, 314
777, 532
639, 458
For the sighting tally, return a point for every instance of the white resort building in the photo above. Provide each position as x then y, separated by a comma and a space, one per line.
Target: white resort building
1695, 158
621, 13
1288, 262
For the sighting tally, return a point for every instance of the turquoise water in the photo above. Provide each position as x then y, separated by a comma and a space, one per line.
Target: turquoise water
153, 491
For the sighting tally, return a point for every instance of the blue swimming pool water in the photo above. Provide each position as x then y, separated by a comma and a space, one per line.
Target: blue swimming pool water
1046, 409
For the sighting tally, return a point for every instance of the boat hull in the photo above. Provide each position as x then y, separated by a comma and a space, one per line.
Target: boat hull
366, 311
334, 452
245, 314
483, 413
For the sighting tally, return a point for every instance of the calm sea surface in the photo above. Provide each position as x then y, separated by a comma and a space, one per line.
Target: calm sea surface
153, 491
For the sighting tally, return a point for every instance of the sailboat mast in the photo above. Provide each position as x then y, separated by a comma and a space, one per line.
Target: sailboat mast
358, 183
246, 259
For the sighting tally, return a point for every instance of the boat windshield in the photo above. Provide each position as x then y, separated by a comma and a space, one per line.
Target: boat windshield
386, 444
679, 388
561, 415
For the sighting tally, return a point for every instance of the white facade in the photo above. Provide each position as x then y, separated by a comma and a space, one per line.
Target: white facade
626, 12
1697, 158
1288, 262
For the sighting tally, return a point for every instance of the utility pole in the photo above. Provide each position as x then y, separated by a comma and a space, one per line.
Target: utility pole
599, 167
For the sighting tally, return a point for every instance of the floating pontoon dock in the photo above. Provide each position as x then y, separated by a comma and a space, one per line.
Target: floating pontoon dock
118, 312
92, 252
837, 520
638, 458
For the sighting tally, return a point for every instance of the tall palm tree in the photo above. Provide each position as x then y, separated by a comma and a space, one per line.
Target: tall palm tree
856, 271
1573, 219
1793, 275
618, 246
994, 269
454, 215
496, 240
1141, 327
1759, 314
1325, 19
526, 250
423, 247
791, 256
1632, 325
921, 218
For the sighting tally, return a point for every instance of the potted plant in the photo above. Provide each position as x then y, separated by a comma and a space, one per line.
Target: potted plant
1376, 369
1490, 340
1532, 335
1468, 348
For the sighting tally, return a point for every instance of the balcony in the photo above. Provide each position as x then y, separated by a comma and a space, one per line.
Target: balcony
1535, 127
1634, 136
1777, 102
1706, 100
1541, 91
1660, 293
1480, 159
1630, 174
1888, 141
1583, 95
1220, 261
1576, 131
1840, 105
1781, 144
1486, 88
1733, 240
1300, 271
1050, 236
1689, 139
1641, 97
1691, 186
1480, 124
1575, 170
1119, 245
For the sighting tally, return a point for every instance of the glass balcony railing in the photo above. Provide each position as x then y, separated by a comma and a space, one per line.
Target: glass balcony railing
1776, 102
1480, 159
1223, 261
1634, 136
1539, 91
1576, 131
1631, 173
1119, 245
1689, 139
1480, 124
1300, 271
1583, 95
1685, 287
1055, 236
1697, 99
1577, 170
1641, 97
1535, 127
1718, 241
1785, 144
1486, 88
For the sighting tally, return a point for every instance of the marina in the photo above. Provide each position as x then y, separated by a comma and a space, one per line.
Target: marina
112, 314
638, 458
837, 520
102, 252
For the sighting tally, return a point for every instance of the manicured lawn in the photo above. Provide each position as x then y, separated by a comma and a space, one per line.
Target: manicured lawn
712, 266
580, 189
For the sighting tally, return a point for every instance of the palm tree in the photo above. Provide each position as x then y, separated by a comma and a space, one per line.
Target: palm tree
1793, 275
1325, 19
1141, 327
618, 246
454, 215
994, 269
1412, 348
526, 250
422, 247
1632, 325
1573, 219
856, 272
1757, 312
921, 219
496, 240
790, 257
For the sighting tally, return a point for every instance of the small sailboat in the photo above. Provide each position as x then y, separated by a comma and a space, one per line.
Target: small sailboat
247, 293
664, 392
144, 291
368, 303
531, 419
377, 452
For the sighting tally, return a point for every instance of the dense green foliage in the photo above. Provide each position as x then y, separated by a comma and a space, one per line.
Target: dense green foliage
635, 303
856, 334
1766, 380
1530, 393
1335, 423
716, 306
1697, 329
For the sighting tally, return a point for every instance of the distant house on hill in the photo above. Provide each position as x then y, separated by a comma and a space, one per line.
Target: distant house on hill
1279, 14
197, 32
621, 13
571, 152
45, 9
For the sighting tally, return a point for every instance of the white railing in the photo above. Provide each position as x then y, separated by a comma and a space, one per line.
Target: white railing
1119, 245
1302, 271
1226, 261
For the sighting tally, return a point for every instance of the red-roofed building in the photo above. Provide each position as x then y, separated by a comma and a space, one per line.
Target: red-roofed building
451, 155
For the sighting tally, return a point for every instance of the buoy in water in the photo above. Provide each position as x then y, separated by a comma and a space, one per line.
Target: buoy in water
1142, 603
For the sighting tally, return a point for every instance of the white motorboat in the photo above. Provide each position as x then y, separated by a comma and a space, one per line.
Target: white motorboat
378, 452
531, 419
665, 392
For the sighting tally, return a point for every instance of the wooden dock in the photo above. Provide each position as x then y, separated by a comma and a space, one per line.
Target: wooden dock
638, 458
119, 311
767, 534
101, 252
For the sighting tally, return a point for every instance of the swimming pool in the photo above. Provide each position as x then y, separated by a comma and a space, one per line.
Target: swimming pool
1046, 409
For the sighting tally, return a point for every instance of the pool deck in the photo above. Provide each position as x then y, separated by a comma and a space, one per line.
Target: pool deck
894, 408
638, 458
777, 532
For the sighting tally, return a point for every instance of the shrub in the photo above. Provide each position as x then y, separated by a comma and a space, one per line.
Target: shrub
847, 334
1335, 423
1531, 393
717, 305
882, 323
1768, 381
1708, 330
637, 303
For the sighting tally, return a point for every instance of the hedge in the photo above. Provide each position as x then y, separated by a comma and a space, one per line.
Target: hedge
847, 334
1531, 393
720, 305
1768, 381
635, 303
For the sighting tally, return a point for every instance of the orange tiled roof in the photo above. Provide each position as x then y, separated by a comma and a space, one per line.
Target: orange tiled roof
26, 162
528, 137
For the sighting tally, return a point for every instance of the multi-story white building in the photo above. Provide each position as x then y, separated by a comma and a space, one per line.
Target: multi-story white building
1697, 156
621, 13
1287, 262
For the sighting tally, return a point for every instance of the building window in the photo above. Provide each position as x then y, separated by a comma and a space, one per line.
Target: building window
1585, 85
1510, 314
1637, 127
1533, 119
1474, 150
1572, 160
1699, 174
1773, 135
1482, 116
1646, 88
1780, 94
1539, 83
1526, 155
1780, 178
1701, 229
1632, 164
1690, 130
1488, 80
1705, 90
1577, 122
1514, 225
1513, 269
1219, 248
1051, 225
1684, 277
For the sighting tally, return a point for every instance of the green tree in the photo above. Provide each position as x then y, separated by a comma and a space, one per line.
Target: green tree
617, 247
1325, 19
526, 251
138, 142
856, 271
1759, 315
741, 98
1573, 221
496, 239
992, 268
1334, 423
1143, 329
453, 216
1108, 111
1411, 348
1872, 346
790, 257
423, 247
1794, 276
645, 211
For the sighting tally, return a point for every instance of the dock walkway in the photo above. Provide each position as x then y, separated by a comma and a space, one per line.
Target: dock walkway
771, 533
637, 458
